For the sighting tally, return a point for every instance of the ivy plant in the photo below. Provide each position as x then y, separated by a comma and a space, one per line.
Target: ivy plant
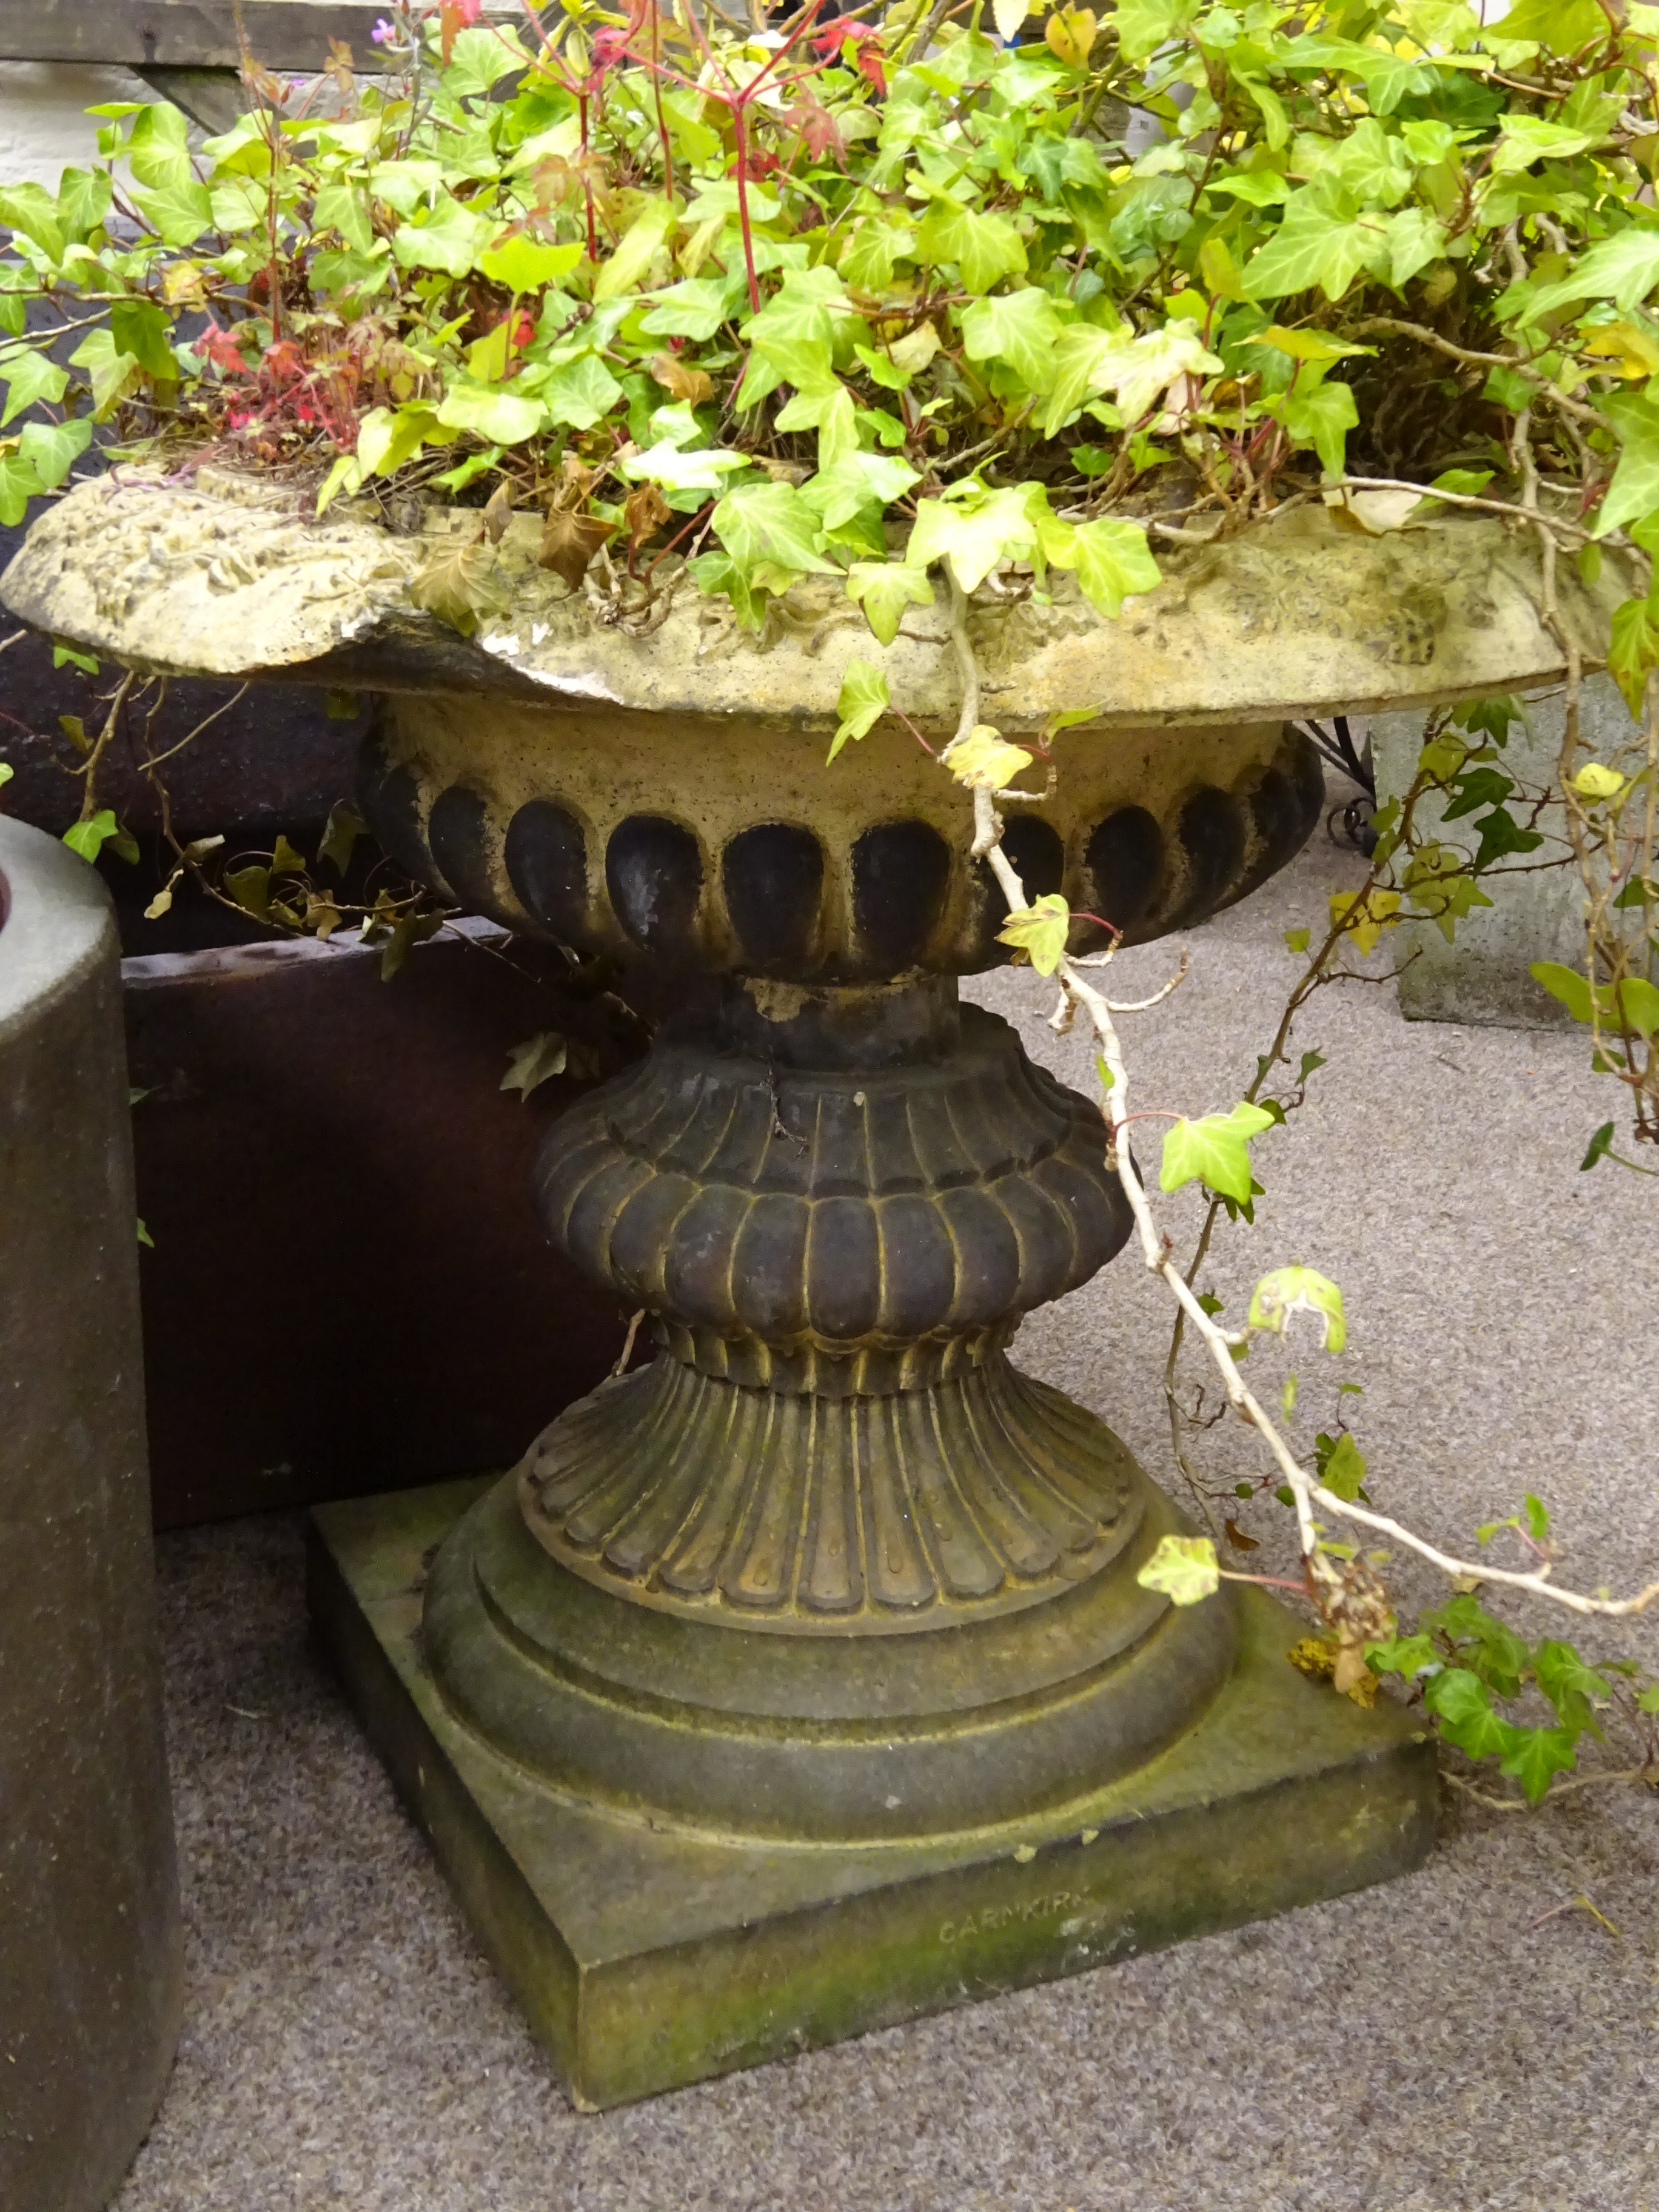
977, 288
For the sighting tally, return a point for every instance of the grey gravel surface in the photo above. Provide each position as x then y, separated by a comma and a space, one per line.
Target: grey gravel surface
1434, 2045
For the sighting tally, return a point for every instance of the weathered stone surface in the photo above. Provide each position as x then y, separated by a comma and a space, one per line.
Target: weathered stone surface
647, 1953
231, 576
91, 1966
731, 843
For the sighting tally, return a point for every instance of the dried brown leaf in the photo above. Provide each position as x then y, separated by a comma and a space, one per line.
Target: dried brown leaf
694, 386
456, 586
644, 510
499, 513
578, 478
569, 541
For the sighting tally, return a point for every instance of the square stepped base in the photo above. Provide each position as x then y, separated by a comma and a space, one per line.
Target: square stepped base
647, 1958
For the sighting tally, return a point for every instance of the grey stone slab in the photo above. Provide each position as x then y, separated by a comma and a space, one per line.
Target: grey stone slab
1483, 976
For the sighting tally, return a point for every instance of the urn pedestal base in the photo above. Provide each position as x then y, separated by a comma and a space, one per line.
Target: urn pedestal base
647, 1957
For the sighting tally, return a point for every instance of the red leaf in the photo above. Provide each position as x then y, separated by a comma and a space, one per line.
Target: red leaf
864, 38
218, 346
452, 16
816, 127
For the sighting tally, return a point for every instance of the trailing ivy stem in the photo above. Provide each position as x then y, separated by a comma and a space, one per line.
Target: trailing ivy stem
100, 745
1155, 1247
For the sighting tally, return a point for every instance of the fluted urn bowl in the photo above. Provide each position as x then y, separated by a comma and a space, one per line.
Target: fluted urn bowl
830, 1567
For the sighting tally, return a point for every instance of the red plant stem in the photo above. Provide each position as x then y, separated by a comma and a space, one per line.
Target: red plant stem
656, 89
1267, 1582
740, 135
587, 181
702, 515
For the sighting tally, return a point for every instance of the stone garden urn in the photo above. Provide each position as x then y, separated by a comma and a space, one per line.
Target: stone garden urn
800, 1680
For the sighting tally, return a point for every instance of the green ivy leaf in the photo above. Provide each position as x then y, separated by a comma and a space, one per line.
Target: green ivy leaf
853, 483
111, 372
344, 208
1183, 1568
140, 328
1500, 835
1634, 491
479, 58
30, 376
449, 239
973, 529
1083, 361
1290, 1290
344, 826
1020, 328
53, 448
1462, 1704
1534, 1755
883, 589
522, 264
532, 1063
1636, 1001
1569, 1685
388, 437
862, 702
20, 483
30, 207
1407, 1655
1487, 1647
1343, 1471
1623, 268
696, 308
89, 838
984, 248
1039, 932
1311, 248
771, 524
580, 393
1213, 1151
1527, 139
501, 417
1633, 650
1113, 562
636, 250
718, 576
178, 213
1567, 984
158, 145
1321, 418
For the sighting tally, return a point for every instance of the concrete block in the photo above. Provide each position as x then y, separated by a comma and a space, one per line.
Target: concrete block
1483, 977
91, 1961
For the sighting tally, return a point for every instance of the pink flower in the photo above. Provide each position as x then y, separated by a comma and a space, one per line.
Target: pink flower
383, 34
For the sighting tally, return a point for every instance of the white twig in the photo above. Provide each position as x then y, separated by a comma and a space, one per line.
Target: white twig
627, 1351
1156, 1247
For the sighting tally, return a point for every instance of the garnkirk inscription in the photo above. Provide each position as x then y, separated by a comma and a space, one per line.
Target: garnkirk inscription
992, 1916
